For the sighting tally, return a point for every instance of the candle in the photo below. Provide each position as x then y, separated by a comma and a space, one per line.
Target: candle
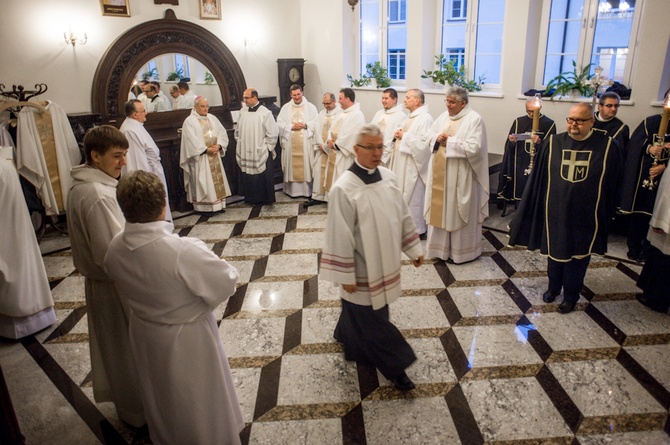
537, 104
663, 129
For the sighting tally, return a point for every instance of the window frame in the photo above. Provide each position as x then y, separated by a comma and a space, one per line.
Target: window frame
586, 44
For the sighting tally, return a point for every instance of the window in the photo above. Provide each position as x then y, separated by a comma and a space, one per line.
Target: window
181, 66
396, 64
383, 35
599, 32
480, 49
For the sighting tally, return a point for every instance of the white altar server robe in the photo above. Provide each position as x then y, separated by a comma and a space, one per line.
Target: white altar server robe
388, 122
172, 285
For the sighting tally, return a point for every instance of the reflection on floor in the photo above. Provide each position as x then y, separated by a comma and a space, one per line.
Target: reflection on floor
496, 364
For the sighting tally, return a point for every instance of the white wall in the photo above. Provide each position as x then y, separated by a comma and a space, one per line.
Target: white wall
33, 50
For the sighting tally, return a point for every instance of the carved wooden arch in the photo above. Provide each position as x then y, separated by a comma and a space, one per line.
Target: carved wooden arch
124, 58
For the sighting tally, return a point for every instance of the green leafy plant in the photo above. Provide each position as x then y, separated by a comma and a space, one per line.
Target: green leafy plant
447, 74
362, 82
176, 75
568, 81
379, 73
150, 74
209, 79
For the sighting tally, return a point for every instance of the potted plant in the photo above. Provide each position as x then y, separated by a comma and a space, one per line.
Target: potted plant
447, 74
150, 74
362, 82
575, 82
175, 75
209, 79
380, 74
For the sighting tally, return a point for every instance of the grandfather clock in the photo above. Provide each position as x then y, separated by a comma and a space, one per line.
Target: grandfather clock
291, 71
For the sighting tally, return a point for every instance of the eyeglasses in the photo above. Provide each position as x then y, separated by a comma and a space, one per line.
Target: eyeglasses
611, 105
246, 97
572, 121
325, 104
371, 147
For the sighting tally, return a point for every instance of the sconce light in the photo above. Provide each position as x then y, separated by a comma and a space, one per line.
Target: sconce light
352, 3
72, 39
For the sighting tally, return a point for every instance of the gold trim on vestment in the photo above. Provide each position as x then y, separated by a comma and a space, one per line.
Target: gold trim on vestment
215, 167
437, 190
332, 156
44, 127
297, 149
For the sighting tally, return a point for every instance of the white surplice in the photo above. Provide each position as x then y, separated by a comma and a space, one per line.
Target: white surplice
256, 136
143, 154
193, 159
344, 132
296, 113
30, 159
26, 304
661, 217
94, 217
409, 161
184, 101
388, 122
466, 189
320, 128
172, 285
368, 226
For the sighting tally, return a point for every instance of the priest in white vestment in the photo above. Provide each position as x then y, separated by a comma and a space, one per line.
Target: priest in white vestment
154, 102
172, 285
46, 151
342, 136
389, 119
94, 217
320, 151
256, 135
457, 193
143, 153
410, 156
296, 141
203, 143
187, 97
368, 227
26, 304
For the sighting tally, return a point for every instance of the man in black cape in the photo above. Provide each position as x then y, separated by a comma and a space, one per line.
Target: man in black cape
638, 201
568, 203
516, 157
608, 107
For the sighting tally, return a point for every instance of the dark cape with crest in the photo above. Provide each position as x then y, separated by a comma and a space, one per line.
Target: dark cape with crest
570, 197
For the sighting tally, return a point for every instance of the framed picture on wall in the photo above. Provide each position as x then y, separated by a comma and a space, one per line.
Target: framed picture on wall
118, 8
210, 9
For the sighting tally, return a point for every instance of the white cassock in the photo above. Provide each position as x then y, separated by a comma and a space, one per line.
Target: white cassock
320, 151
409, 160
156, 104
367, 229
343, 133
296, 147
26, 304
388, 122
166, 100
46, 151
457, 192
94, 217
172, 285
143, 98
184, 101
205, 179
143, 154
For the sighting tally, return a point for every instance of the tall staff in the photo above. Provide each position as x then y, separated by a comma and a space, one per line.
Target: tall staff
536, 104
659, 139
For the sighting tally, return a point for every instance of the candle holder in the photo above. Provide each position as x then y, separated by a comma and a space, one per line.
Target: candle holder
536, 103
658, 141
596, 82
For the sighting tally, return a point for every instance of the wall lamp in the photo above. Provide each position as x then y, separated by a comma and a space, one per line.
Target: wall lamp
73, 39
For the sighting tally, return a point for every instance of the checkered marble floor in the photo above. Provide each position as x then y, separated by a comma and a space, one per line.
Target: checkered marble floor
496, 365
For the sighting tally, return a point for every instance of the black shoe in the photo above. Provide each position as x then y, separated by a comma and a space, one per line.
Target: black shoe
643, 300
423, 236
403, 383
549, 296
566, 307
634, 256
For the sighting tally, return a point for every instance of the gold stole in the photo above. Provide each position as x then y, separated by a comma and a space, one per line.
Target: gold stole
215, 167
405, 128
323, 163
332, 156
439, 174
297, 147
46, 131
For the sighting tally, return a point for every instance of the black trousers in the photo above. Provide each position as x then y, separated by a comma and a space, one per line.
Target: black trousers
567, 275
654, 280
638, 226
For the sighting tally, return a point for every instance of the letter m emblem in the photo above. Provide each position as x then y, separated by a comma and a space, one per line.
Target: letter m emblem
575, 165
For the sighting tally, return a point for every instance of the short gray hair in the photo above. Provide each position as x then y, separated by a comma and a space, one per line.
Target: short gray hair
368, 130
417, 93
458, 92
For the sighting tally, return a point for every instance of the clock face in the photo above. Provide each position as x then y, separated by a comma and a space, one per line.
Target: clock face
294, 74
